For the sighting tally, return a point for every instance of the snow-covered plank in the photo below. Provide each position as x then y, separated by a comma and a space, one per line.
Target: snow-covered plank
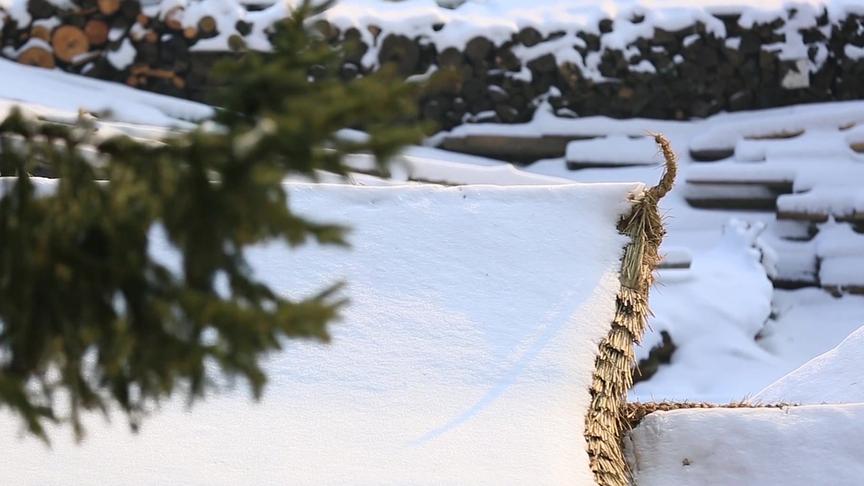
719, 141
815, 145
676, 259
821, 203
795, 446
512, 148
612, 151
466, 352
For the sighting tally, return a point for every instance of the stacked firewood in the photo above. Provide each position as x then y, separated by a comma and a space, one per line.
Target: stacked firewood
118, 40
168, 46
691, 73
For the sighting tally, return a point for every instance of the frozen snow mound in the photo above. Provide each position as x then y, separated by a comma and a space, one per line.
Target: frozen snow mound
466, 352
833, 377
794, 446
728, 280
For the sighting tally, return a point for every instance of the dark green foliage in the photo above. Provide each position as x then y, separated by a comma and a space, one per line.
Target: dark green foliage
89, 320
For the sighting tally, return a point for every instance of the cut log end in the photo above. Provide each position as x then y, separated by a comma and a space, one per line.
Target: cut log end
207, 25
109, 7
96, 32
69, 42
37, 56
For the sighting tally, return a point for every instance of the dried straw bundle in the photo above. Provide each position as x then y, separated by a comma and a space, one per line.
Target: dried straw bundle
635, 412
606, 422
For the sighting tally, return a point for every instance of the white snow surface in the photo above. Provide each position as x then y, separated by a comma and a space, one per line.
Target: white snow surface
466, 351
59, 93
628, 151
833, 377
728, 280
795, 446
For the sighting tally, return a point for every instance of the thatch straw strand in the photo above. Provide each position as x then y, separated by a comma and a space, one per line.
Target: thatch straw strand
606, 421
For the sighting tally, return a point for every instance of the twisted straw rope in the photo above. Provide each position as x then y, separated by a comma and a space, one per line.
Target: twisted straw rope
605, 422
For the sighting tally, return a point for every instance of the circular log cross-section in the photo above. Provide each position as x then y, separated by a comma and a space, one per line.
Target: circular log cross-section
37, 56
109, 7
207, 25
68, 42
401, 51
96, 32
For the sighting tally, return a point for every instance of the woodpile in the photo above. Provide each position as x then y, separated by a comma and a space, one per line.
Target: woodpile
118, 40
693, 73
683, 74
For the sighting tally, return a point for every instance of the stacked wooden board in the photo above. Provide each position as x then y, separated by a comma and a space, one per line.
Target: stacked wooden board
803, 165
810, 174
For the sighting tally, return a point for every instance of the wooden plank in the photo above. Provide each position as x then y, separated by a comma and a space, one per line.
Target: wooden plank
516, 149
711, 155
820, 216
738, 204
577, 165
735, 195
782, 186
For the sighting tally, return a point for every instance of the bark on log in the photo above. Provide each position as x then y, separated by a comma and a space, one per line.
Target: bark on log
109, 7
96, 32
401, 51
41, 9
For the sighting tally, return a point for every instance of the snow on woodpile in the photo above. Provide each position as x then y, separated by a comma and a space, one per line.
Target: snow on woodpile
467, 351
834, 377
677, 60
596, 152
794, 446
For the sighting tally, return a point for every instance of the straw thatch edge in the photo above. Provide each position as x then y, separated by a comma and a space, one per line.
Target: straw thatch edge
605, 422
634, 412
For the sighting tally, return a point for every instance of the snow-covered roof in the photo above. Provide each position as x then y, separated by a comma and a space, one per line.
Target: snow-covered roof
466, 352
